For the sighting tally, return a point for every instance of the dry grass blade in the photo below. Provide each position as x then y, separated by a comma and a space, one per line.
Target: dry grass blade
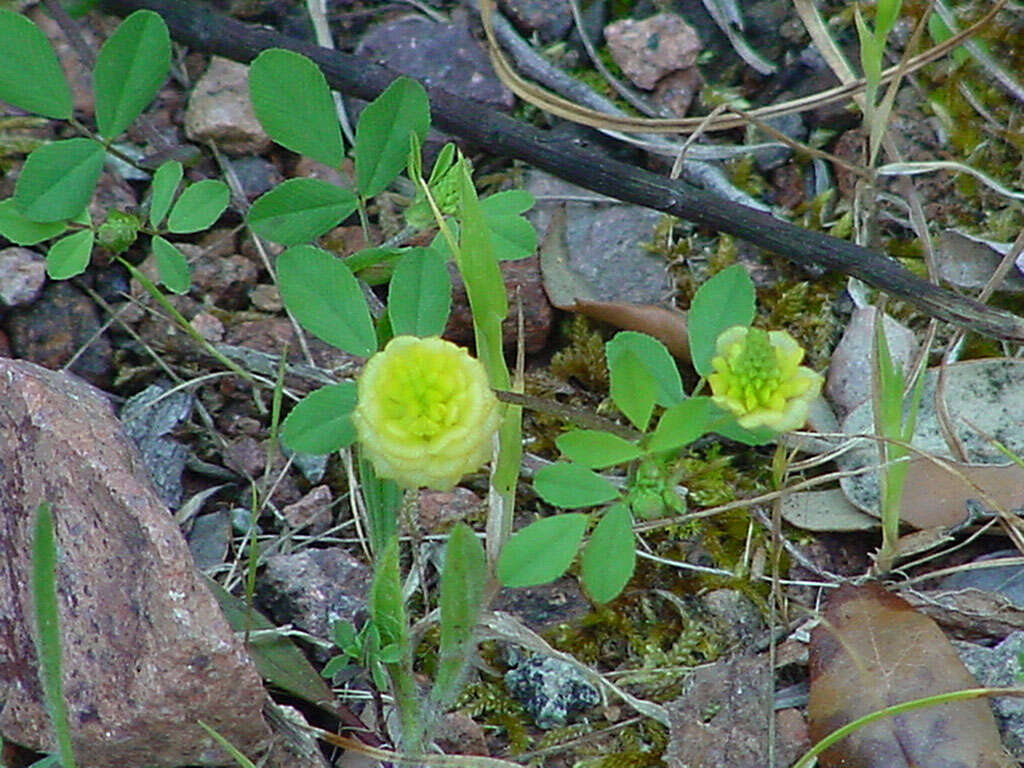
568, 110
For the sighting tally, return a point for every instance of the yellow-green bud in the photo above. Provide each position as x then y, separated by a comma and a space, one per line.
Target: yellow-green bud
118, 232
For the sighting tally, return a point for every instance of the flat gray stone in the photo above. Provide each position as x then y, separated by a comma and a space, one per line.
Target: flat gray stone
604, 241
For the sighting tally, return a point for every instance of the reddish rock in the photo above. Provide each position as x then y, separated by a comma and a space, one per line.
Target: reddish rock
459, 734
677, 90
648, 50
720, 718
523, 284
246, 456
313, 509
314, 588
272, 335
438, 509
208, 326
224, 280
218, 242
266, 298
850, 146
147, 652
219, 110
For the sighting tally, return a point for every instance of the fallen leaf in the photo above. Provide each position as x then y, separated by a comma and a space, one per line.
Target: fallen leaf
666, 325
827, 510
970, 613
872, 651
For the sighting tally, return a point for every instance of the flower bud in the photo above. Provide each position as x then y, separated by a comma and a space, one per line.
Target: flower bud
425, 413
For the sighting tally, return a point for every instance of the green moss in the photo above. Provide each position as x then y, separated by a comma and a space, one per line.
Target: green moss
489, 703
712, 478
582, 358
803, 309
744, 175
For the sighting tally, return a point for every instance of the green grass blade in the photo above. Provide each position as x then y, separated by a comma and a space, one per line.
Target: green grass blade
230, 748
44, 596
462, 595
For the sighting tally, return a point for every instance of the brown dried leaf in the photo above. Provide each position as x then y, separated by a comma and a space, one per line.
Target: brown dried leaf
934, 495
872, 651
666, 325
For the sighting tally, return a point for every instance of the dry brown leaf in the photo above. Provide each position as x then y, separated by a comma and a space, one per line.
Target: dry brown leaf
937, 495
666, 325
871, 651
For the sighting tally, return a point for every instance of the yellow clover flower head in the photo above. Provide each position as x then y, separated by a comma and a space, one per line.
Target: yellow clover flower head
758, 377
425, 412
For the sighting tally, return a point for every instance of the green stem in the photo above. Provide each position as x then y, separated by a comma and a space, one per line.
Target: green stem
184, 324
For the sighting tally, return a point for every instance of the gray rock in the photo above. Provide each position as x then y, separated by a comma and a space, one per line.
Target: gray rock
209, 539
219, 110
255, 175
849, 373
147, 652
1001, 667
1006, 580
604, 242
791, 126
551, 690
22, 275
56, 327
648, 50
550, 19
149, 418
735, 615
312, 466
313, 589
968, 262
445, 55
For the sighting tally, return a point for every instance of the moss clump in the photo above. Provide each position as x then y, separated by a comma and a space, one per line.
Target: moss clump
743, 174
804, 310
583, 357
712, 476
489, 703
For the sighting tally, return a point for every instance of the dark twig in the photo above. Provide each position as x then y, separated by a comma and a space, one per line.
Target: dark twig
573, 160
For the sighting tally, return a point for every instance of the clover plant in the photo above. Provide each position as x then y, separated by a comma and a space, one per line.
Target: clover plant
758, 389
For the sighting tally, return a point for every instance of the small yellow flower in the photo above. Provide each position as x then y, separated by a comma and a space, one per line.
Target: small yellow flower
758, 377
425, 412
